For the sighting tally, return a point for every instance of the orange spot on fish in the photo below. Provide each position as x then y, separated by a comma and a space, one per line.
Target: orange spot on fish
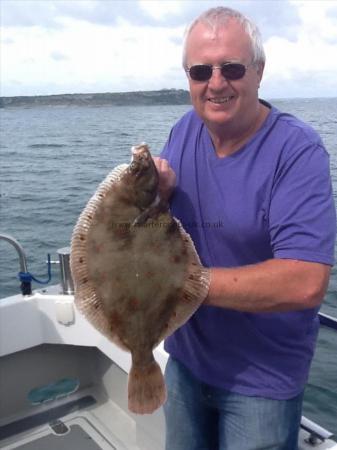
98, 248
133, 304
104, 277
175, 259
115, 320
156, 248
121, 232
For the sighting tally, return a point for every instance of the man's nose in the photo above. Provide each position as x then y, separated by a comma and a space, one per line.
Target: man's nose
217, 80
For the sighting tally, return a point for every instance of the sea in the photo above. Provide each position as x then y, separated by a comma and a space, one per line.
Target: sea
52, 158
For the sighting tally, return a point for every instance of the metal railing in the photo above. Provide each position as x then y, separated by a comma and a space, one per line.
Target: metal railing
26, 277
318, 434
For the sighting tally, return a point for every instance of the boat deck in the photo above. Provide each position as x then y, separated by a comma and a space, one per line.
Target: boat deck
81, 424
93, 417
64, 386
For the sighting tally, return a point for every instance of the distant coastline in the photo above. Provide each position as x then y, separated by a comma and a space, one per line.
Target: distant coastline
161, 97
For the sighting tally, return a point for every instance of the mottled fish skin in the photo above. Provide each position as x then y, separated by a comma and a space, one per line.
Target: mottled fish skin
136, 272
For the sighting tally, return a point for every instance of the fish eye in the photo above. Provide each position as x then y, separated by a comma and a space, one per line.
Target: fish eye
134, 166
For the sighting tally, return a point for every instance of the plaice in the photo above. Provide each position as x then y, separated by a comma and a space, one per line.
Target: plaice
136, 272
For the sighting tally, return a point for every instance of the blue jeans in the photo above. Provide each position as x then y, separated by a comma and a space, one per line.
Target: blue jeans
202, 417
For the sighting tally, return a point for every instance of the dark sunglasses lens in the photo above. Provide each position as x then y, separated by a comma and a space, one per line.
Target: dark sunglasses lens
201, 72
233, 71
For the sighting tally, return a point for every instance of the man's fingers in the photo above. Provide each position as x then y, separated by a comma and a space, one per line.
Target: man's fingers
167, 177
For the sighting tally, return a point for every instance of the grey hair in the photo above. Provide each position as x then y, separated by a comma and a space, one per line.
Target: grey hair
219, 16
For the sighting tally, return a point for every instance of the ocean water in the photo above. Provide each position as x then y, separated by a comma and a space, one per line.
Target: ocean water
53, 158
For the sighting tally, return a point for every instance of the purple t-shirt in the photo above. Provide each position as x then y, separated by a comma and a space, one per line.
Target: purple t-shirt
270, 199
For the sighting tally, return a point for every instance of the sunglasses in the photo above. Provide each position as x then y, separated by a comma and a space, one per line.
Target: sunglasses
230, 71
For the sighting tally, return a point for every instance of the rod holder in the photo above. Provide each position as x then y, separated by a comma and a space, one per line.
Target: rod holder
66, 278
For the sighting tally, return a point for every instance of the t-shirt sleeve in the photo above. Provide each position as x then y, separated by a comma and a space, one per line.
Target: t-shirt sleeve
302, 217
166, 151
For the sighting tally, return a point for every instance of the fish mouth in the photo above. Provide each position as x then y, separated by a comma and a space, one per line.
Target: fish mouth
137, 150
140, 158
140, 155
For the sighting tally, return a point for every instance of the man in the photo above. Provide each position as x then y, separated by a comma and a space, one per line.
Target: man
253, 190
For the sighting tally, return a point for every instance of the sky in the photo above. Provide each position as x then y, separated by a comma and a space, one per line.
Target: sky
86, 46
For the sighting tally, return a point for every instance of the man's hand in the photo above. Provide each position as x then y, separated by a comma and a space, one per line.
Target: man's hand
275, 285
167, 178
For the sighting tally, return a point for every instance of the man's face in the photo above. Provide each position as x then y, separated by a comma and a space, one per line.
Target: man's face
219, 101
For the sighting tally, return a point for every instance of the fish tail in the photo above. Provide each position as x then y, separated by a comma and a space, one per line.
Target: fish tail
146, 388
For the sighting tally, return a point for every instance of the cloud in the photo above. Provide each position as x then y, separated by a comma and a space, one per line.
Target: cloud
332, 11
57, 56
51, 13
7, 41
275, 17
58, 46
20, 13
177, 40
299, 84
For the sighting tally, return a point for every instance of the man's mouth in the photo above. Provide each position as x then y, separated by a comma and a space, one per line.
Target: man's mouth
220, 100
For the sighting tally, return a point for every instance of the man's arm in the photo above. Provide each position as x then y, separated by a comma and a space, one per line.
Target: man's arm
276, 285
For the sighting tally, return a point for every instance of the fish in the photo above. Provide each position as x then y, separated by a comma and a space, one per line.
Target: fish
137, 275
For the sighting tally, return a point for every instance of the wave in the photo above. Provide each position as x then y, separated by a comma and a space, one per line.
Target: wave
46, 145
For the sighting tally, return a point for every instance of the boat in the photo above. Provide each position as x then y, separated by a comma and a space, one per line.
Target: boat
63, 385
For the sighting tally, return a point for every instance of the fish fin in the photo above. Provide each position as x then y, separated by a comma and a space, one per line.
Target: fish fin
146, 388
90, 305
86, 299
85, 219
195, 289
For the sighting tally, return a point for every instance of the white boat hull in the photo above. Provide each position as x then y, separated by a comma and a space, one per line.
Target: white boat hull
43, 339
